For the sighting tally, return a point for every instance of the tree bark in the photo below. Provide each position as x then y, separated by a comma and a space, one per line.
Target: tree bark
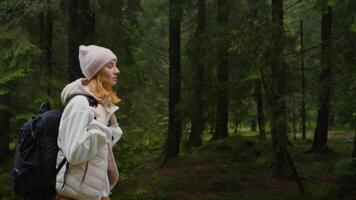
81, 30
73, 39
46, 26
258, 87
175, 124
236, 123
321, 130
260, 115
302, 79
277, 90
221, 123
253, 124
198, 119
87, 22
48, 42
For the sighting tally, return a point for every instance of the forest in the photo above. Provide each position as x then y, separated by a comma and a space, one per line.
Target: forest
220, 99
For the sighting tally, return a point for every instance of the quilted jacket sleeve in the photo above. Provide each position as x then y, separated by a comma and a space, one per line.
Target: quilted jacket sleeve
80, 135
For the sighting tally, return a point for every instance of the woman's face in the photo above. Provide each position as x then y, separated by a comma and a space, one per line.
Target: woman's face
110, 73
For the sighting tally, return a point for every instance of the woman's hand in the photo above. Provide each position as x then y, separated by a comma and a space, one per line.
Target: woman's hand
99, 113
113, 120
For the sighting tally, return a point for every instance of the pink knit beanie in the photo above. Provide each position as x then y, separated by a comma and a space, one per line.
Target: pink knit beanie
92, 58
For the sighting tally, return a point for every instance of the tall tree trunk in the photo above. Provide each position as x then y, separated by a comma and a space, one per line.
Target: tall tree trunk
221, 124
321, 130
87, 22
48, 41
46, 20
81, 30
73, 39
198, 118
302, 79
258, 87
278, 90
46, 30
175, 124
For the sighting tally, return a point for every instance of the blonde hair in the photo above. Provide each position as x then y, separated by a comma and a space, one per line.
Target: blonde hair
96, 85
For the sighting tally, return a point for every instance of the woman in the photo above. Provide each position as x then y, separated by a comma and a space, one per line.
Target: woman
87, 134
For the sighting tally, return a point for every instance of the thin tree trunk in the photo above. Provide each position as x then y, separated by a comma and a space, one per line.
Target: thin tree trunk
260, 115
236, 124
87, 22
321, 130
294, 170
221, 124
198, 76
42, 37
294, 119
81, 30
73, 39
253, 124
48, 44
303, 79
258, 88
175, 124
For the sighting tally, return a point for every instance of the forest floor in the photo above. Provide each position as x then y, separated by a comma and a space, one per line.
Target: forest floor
240, 167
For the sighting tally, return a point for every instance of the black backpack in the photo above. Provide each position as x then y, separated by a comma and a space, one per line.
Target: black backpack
34, 172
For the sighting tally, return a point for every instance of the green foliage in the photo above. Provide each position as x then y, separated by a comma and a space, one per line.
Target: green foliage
16, 56
16, 61
137, 31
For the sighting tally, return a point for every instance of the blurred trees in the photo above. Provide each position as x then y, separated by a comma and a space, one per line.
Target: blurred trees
189, 73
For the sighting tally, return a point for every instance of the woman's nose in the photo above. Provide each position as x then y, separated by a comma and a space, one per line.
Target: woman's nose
117, 71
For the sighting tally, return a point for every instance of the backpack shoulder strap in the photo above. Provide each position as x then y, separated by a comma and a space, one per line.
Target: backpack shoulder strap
61, 165
92, 101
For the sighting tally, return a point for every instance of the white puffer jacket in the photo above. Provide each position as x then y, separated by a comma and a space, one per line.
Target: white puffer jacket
87, 144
